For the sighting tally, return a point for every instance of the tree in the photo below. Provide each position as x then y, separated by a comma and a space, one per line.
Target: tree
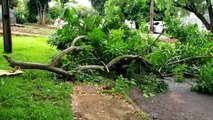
98, 5
84, 12
151, 16
39, 7
198, 7
12, 3
137, 10
6, 27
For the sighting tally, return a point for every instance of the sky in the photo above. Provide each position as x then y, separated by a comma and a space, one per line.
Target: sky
84, 2
80, 2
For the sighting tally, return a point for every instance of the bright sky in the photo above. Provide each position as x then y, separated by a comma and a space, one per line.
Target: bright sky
80, 2
84, 2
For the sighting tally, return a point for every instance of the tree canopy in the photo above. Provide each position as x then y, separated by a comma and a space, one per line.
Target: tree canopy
38, 7
98, 5
137, 10
12, 3
198, 7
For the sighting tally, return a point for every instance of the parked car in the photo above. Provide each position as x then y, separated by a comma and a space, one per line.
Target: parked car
158, 26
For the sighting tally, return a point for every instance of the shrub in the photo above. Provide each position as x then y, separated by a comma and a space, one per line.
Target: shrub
150, 85
106, 41
205, 83
123, 85
32, 18
48, 19
55, 12
21, 16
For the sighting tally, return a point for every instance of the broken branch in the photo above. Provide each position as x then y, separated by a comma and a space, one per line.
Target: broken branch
66, 51
25, 65
119, 58
91, 67
189, 58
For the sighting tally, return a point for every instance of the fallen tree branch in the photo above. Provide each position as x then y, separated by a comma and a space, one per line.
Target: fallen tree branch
48, 67
61, 54
110, 64
189, 58
66, 51
51, 66
91, 67
119, 58
10, 73
77, 39
105, 66
25, 65
145, 51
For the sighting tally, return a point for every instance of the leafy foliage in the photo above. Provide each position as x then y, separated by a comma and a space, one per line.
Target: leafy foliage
137, 10
32, 18
150, 85
193, 43
98, 5
178, 71
103, 45
205, 82
198, 7
21, 16
123, 86
38, 8
111, 38
55, 12
83, 11
12, 3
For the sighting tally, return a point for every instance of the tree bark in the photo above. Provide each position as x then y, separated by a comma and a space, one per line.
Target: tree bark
191, 58
41, 13
25, 65
66, 51
6, 27
137, 26
192, 8
152, 17
51, 66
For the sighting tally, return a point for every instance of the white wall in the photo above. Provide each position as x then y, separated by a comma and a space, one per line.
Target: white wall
12, 15
193, 19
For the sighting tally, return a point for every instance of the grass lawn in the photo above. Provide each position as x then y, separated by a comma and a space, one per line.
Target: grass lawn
35, 94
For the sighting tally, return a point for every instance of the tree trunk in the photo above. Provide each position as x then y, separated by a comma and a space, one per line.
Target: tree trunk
210, 10
152, 17
137, 25
42, 22
211, 27
6, 27
41, 12
192, 8
204, 21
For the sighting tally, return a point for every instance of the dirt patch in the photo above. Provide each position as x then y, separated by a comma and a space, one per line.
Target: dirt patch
88, 104
165, 38
178, 104
31, 30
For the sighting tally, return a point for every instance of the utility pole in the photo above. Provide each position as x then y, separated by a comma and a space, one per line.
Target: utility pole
151, 16
6, 27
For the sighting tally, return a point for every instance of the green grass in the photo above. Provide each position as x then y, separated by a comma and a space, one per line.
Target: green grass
35, 94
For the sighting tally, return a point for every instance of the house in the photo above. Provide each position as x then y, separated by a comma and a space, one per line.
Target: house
12, 16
